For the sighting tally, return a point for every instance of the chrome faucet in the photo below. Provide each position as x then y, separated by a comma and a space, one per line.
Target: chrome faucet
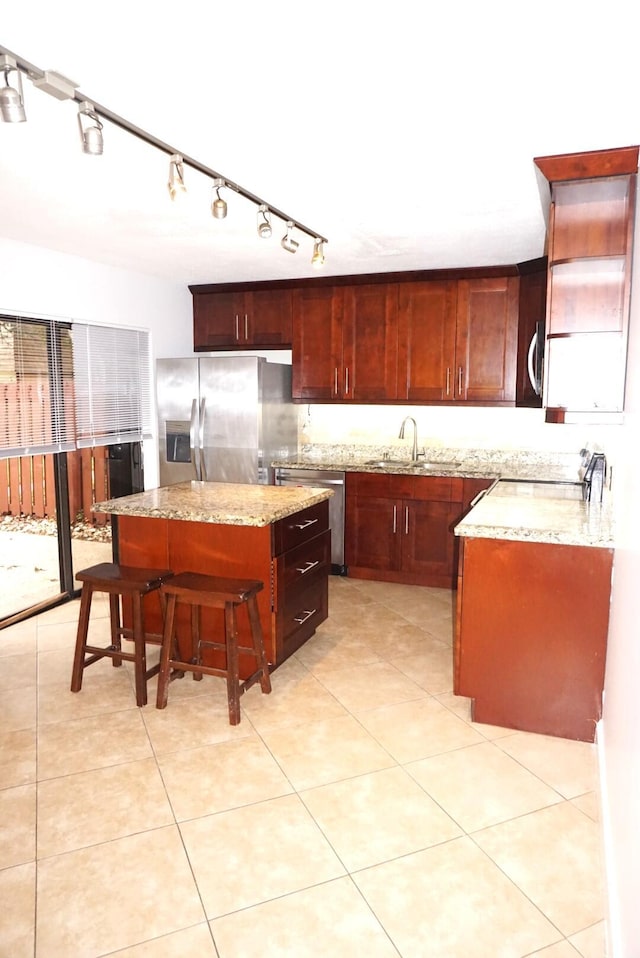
414, 451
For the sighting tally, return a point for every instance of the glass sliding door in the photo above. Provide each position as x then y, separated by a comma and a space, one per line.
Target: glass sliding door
36, 429
74, 401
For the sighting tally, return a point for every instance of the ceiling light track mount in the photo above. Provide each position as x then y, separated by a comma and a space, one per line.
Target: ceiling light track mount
12, 111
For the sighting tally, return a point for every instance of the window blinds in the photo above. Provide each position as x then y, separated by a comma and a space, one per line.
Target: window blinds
36, 387
112, 382
67, 385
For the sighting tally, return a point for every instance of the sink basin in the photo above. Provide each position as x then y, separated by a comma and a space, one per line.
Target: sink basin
411, 464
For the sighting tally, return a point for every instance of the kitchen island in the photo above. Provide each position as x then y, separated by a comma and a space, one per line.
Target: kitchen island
275, 534
533, 608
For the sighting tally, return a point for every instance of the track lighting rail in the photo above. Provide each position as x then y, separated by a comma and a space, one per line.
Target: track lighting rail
63, 88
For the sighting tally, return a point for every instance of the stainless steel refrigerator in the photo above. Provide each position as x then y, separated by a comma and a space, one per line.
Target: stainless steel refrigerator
224, 419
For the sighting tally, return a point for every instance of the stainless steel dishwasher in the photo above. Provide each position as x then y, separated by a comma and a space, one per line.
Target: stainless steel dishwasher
285, 476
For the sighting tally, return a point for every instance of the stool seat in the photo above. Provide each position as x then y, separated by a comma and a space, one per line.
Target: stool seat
116, 581
197, 590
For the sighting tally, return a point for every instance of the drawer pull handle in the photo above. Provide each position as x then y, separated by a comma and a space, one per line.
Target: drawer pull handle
308, 567
304, 525
305, 615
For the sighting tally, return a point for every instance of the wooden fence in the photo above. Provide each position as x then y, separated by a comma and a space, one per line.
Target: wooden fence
27, 486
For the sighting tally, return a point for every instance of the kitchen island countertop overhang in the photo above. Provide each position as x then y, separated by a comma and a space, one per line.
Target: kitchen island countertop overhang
225, 503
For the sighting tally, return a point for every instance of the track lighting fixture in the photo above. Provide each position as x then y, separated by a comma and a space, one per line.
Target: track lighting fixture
176, 184
90, 122
11, 98
219, 206
317, 259
90, 132
287, 242
264, 221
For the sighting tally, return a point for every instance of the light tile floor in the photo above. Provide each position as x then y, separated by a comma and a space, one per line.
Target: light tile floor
355, 811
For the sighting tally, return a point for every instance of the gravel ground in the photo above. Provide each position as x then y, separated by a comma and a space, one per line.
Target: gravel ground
29, 559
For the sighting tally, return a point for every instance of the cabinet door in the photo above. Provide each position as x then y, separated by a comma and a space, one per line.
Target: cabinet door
317, 344
267, 318
486, 340
216, 322
370, 342
372, 540
426, 340
427, 537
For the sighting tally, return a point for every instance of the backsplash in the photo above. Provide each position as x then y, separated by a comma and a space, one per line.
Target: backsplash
373, 430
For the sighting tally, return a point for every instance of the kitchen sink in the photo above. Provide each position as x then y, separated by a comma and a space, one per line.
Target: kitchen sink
411, 464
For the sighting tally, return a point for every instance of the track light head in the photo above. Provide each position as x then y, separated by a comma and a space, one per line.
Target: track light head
176, 184
287, 242
264, 222
219, 206
317, 260
90, 132
11, 98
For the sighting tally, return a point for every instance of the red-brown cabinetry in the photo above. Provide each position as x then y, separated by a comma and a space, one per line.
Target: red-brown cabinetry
345, 343
235, 319
400, 528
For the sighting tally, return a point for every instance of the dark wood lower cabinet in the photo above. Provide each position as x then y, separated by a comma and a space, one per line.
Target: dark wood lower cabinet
291, 557
531, 634
400, 528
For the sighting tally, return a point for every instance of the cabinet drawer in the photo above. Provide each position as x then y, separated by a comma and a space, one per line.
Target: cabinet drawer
300, 564
304, 610
425, 488
300, 527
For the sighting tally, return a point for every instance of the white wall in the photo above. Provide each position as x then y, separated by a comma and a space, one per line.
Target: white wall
39, 282
474, 427
621, 723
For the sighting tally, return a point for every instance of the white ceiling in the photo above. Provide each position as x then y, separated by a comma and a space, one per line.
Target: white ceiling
404, 132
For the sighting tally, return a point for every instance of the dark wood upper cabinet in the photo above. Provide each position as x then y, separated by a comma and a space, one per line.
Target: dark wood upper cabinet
241, 318
445, 336
317, 344
486, 340
426, 340
458, 340
370, 342
345, 343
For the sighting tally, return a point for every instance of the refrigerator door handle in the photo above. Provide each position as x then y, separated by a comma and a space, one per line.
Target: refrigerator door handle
192, 438
203, 465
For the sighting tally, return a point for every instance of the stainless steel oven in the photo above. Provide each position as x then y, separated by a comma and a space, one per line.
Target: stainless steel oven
284, 476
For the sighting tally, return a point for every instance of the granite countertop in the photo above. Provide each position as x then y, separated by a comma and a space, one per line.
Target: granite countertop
505, 512
225, 503
464, 463
539, 512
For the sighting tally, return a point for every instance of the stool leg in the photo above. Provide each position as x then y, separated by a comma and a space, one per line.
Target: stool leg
116, 632
81, 638
140, 664
233, 676
258, 643
195, 641
165, 654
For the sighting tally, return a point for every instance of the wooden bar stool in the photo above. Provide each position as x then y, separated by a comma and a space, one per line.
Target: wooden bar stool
117, 581
211, 591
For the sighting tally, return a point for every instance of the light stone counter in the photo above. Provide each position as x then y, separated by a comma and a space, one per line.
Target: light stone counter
463, 463
535, 512
219, 502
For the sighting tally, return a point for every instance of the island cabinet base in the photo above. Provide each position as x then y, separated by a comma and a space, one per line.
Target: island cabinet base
531, 634
291, 557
